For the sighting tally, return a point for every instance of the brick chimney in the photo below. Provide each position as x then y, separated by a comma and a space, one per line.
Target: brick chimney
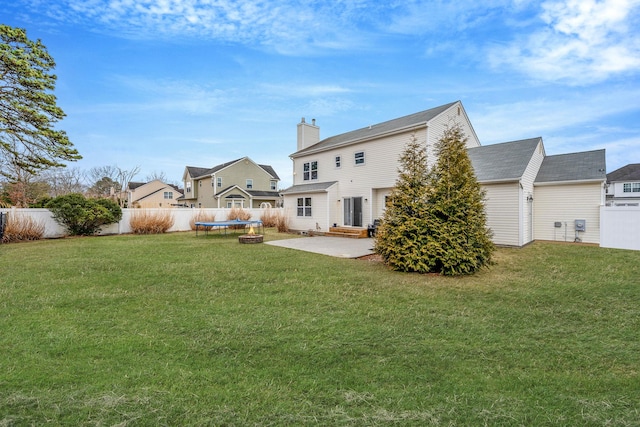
308, 134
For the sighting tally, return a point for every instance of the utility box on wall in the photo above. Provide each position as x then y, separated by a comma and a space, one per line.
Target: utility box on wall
581, 225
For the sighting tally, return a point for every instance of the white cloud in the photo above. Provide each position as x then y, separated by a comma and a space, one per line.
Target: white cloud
581, 42
538, 117
304, 90
287, 26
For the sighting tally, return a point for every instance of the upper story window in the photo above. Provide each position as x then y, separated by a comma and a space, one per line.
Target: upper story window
249, 184
631, 187
310, 171
274, 185
168, 194
359, 158
188, 187
338, 161
219, 181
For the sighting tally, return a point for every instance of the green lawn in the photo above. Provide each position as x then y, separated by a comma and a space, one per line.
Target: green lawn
178, 330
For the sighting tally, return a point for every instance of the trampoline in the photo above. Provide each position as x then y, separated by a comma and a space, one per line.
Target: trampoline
226, 224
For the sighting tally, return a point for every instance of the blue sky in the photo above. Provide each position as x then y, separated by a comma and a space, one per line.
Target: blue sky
163, 84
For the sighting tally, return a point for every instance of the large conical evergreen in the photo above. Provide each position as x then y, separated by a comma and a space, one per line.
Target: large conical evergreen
435, 220
404, 236
463, 242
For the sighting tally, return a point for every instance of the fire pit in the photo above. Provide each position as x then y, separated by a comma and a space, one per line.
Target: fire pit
251, 237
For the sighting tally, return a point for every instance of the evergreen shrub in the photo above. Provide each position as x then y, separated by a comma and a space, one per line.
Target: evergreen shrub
82, 216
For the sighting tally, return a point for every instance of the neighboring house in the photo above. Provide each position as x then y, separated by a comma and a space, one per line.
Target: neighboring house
240, 183
153, 194
344, 180
623, 186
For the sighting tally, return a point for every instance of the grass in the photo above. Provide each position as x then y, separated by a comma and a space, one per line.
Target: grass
177, 330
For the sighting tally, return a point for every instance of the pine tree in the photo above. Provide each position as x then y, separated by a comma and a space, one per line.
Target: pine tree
404, 236
463, 242
28, 110
435, 220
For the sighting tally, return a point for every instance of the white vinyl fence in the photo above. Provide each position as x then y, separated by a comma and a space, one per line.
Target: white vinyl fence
620, 227
182, 217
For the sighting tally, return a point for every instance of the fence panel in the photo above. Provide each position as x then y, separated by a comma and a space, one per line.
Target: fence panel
182, 218
620, 227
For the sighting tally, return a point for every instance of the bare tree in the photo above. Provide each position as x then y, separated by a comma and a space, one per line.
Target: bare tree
160, 176
24, 188
64, 181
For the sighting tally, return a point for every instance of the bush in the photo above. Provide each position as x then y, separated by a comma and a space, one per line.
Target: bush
269, 218
275, 219
82, 216
20, 228
240, 214
146, 222
201, 216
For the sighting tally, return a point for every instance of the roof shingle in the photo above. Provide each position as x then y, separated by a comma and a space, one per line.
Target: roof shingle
502, 162
584, 166
415, 119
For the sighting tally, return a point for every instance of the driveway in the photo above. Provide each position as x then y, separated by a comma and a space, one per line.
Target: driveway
341, 247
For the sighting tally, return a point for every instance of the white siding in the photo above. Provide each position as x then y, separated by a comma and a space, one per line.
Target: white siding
380, 170
378, 202
373, 179
565, 203
503, 212
323, 212
526, 208
454, 115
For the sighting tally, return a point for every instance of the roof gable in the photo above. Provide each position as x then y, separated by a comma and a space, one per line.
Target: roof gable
583, 166
630, 172
503, 162
198, 173
416, 119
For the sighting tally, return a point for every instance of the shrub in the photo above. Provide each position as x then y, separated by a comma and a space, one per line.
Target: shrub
146, 222
277, 219
282, 224
20, 228
269, 218
238, 213
201, 216
82, 216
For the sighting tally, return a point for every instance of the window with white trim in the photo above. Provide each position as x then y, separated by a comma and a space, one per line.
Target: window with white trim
188, 186
629, 187
249, 184
304, 206
274, 185
310, 171
168, 194
359, 158
219, 181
